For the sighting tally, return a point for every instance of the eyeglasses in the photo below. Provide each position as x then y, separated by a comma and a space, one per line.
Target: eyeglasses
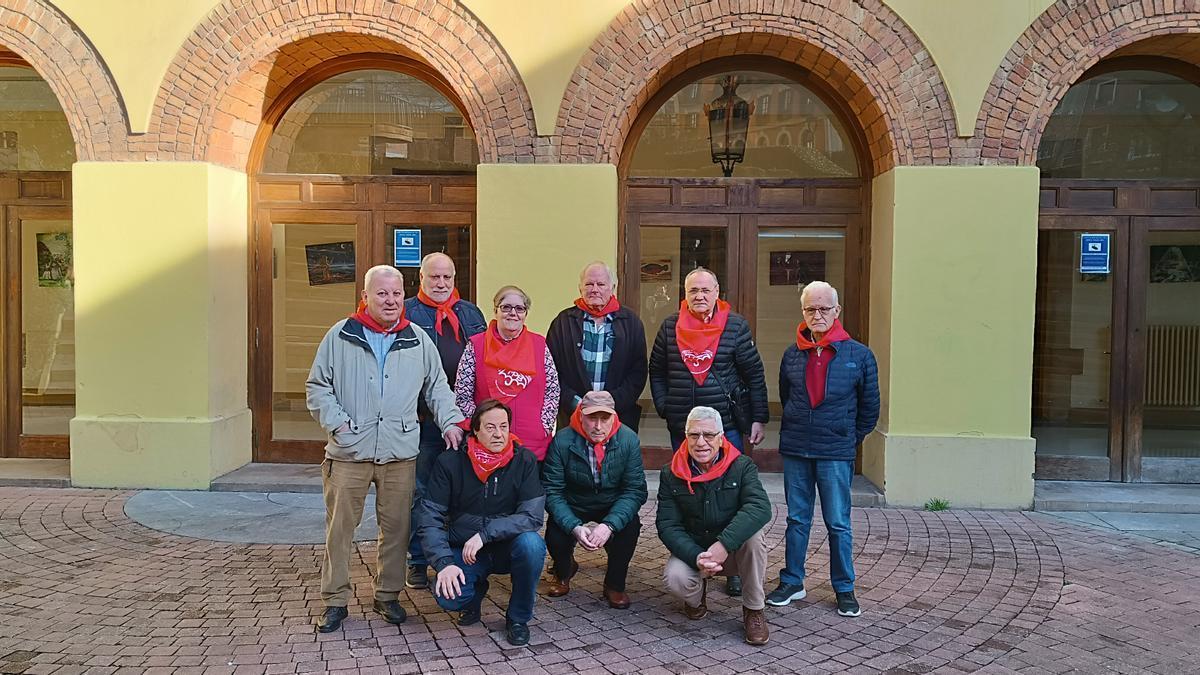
512, 309
694, 436
814, 311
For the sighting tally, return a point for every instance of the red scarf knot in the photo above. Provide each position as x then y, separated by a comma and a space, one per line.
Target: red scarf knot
513, 364
362, 316
681, 464
445, 312
699, 340
597, 447
484, 461
611, 307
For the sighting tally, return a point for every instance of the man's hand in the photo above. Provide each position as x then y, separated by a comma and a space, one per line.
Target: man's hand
600, 535
757, 433
450, 582
453, 437
471, 548
584, 536
712, 561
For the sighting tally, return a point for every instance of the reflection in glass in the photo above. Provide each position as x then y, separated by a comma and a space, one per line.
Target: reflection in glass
453, 241
1124, 124
47, 328
668, 254
372, 122
34, 134
1171, 420
792, 133
1071, 356
313, 289
788, 259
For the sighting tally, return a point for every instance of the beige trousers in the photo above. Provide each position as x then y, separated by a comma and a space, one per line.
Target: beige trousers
345, 485
750, 561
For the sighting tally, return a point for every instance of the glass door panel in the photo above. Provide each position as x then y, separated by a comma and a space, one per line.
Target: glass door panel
1073, 362
453, 240
1170, 433
786, 260
315, 283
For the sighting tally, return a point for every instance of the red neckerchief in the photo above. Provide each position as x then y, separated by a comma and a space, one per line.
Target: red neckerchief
514, 362
445, 310
365, 319
681, 464
697, 340
607, 309
598, 448
834, 334
484, 461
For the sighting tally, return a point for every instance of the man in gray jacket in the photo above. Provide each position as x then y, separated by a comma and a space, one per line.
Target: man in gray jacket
368, 373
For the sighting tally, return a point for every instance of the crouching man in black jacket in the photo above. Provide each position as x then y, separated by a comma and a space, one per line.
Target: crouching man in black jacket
480, 515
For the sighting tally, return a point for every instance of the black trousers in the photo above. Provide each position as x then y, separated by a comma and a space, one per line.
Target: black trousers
620, 547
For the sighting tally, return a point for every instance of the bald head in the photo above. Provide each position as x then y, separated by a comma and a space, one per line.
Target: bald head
437, 276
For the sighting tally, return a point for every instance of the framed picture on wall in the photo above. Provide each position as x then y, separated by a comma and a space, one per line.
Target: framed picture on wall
330, 263
1174, 264
656, 269
790, 268
54, 259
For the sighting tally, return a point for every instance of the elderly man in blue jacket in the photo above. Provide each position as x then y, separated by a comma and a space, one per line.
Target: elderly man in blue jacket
829, 387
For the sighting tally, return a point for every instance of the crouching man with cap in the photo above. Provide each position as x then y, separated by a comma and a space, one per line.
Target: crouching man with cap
595, 483
712, 510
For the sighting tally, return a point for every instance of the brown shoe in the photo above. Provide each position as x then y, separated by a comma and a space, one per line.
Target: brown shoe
700, 612
556, 588
616, 599
755, 621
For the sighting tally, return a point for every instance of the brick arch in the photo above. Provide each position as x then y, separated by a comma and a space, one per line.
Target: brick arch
865, 54
38, 34
232, 67
1060, 46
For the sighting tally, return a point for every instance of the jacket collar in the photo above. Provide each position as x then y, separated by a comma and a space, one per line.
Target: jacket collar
354, 332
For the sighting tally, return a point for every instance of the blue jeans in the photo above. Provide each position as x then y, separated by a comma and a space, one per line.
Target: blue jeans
432, 445
831, 478
732, 435
522, 557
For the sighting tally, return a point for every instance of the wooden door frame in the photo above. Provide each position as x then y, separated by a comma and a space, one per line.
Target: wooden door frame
17, 443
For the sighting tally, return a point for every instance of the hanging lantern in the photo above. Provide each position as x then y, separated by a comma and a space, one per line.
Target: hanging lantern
728, 123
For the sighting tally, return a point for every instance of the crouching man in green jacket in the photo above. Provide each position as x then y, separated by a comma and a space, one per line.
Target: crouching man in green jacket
595, 483
712, 510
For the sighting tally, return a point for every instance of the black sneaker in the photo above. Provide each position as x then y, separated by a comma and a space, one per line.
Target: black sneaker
390, 610
418, 577
516, 633
469, 616
785, 594
331, 619
733, 586
847, 605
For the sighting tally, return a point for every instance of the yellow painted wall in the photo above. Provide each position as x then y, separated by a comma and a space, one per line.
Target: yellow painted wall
161, 297
538, 225
952, 308
967, 40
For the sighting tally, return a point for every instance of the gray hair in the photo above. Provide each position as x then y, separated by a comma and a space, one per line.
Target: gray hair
437, 255
612, 276
703, 412
505, 290
382, 271
818, 286
700, 270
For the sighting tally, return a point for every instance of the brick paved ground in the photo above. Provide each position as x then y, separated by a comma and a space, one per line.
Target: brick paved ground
85, 589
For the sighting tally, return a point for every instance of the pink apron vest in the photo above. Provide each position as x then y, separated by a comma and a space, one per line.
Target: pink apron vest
527, 405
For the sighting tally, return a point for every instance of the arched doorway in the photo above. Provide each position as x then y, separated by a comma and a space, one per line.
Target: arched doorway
38, 317
356, 156
789, 214
1116, 386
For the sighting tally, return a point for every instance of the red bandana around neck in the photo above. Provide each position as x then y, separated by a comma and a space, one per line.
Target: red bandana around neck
607, 309
681, 464
514, 363
362, 316
445, 311
835, 334
484, 461
598, 448
697, 340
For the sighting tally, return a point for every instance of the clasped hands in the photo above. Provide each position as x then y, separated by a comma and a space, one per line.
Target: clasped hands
592, 538
712, 561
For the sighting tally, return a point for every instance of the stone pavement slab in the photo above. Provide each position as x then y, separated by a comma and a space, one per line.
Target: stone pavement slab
1175, 529
84, 588
1065, 495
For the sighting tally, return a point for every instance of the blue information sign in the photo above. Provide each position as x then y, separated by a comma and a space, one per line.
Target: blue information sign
1094, 253
408, 248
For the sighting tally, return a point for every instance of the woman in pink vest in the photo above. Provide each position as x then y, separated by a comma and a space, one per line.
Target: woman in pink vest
511, 364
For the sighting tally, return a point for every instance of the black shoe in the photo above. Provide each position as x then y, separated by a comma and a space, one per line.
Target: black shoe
516, 633
785, 594
418, 577
331, 619
391, 611
469, 616
733, 586
847, 605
